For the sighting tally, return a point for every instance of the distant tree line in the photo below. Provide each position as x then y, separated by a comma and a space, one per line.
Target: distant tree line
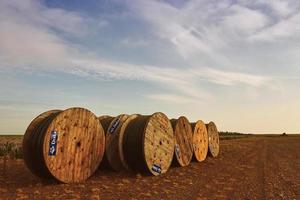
232, 133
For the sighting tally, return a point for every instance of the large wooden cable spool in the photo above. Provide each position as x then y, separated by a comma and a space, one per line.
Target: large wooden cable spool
149, 144
66, 145
105, 121
30, 143
200, 140
114, 142
183, 141
213, 139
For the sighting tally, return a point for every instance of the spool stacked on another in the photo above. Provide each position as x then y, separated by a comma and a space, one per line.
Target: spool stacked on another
66, 145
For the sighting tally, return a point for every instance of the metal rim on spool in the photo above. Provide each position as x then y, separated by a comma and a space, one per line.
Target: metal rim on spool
213, 139
200, 140
183, 141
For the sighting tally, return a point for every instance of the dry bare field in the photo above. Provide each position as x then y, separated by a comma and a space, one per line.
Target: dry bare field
247, 168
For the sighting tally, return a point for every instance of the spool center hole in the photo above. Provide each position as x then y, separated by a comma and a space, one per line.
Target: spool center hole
160, 142
78, 144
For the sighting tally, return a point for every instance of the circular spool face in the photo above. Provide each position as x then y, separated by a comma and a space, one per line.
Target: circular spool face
213, 139
200, 141
183, 141
112, 142
158, 143
73, 145
28, 139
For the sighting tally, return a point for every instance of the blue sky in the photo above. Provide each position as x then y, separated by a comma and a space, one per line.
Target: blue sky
233, 62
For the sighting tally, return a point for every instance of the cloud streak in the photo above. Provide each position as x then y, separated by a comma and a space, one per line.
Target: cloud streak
35, 37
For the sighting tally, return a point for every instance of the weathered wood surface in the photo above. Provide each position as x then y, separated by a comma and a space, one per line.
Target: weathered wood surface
149, 144
105, 121
213, 139
68, 145
200, 140
114, 142
183, 141
31, 153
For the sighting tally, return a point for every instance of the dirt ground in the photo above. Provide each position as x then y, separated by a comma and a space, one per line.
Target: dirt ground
248, 168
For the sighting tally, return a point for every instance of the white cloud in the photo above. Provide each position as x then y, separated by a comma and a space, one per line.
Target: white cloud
287, 28
134, 42
32, 34
33, 37
171, 98
231, 78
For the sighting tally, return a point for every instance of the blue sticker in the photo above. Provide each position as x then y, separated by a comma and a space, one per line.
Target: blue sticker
177, 150
114, 126
156, 168
53, 143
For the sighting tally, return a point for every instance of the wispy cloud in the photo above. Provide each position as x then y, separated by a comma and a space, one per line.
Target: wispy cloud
231, 78
171, 98
34, 36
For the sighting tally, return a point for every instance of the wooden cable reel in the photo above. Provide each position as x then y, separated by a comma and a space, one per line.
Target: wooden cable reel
114, 142
66, 145
183, 141
105, 121
200, 140
213, 139
149, 144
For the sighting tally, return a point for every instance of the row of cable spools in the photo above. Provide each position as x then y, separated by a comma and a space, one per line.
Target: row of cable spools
69, 145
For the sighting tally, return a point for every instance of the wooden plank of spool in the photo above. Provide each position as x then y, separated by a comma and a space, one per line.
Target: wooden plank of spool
200, 140
149, 144
29, 143
105, 121
213, 139
73, 145
114, 142
183, 141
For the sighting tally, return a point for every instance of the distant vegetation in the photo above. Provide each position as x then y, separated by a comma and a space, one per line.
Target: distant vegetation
226, 135
233, 133
11, 150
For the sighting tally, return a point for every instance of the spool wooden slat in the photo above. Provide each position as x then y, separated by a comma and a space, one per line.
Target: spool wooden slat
29, 143
114, 142
200, 140
149, 144
183, 141
213, 139
66, 145
105, 121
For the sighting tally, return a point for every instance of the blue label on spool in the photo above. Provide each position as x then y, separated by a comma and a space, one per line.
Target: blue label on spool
53, 143
156, 168
114, 126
